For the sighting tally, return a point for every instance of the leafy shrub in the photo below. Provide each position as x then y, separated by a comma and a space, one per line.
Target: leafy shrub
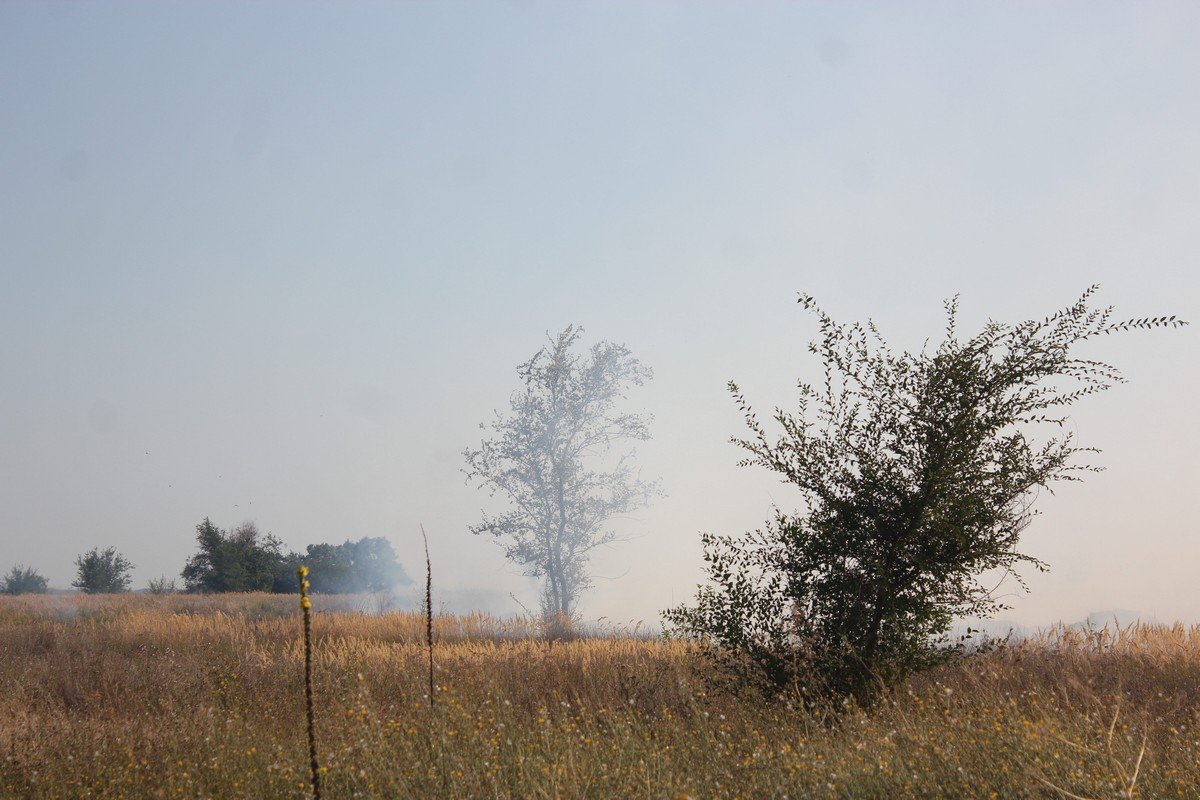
23, 580
918, 473
241, 560
102, 572
161, 585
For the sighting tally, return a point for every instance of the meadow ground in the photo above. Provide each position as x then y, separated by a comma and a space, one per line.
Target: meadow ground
183, 696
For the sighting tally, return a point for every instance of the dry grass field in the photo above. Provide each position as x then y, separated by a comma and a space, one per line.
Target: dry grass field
183, 696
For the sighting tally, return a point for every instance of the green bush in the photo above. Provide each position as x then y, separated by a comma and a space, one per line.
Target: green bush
161, 585
241, 560
917, 473
23, 580
102, 572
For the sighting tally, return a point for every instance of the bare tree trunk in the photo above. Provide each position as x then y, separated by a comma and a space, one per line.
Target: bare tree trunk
552, 574
558, 562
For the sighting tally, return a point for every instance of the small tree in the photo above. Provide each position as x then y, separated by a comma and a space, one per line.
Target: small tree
242, 560
541, 460
102, 572
918, 473
23, 580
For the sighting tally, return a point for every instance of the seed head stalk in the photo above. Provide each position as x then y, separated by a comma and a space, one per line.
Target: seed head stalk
428, 613
306, 607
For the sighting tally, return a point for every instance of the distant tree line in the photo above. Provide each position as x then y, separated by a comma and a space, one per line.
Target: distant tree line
238, 560
245, 560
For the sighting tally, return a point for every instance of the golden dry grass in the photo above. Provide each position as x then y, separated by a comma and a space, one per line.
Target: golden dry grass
184, 696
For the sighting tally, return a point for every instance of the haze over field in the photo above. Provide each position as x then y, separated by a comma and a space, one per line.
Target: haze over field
278, 262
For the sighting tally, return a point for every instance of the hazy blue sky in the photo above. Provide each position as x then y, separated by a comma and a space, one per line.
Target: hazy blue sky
277, 262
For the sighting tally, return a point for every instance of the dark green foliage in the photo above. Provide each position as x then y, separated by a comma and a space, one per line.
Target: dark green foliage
368, 565
102, 572
23, 580
917, 472
241, 560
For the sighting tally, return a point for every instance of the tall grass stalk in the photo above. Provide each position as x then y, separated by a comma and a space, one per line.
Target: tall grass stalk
428, 612
306, 607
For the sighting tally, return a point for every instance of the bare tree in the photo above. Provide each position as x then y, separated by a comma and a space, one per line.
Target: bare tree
562, 421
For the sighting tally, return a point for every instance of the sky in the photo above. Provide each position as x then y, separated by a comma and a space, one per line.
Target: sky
276, 262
